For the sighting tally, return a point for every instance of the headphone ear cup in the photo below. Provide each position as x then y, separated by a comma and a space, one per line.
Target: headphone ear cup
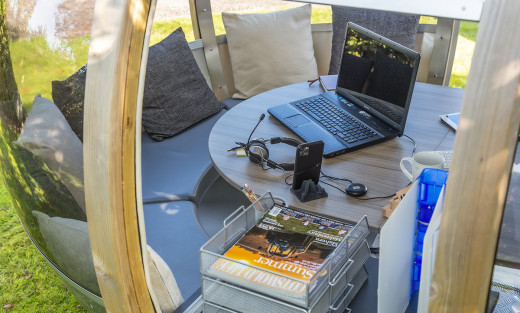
257, 152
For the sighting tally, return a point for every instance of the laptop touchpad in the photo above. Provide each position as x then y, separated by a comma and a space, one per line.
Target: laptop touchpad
297, 120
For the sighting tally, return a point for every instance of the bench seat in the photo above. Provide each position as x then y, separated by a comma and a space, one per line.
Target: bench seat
172, 169
173, 231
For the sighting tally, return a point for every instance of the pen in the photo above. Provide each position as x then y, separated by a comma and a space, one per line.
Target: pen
235, 148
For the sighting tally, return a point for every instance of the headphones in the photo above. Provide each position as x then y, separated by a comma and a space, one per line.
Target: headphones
257, 152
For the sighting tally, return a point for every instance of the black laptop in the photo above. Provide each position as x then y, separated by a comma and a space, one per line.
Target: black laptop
371, 101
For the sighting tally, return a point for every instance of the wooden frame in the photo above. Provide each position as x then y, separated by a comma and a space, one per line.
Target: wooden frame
113, 95
483, 157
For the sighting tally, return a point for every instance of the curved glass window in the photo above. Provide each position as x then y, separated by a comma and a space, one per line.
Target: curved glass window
44, 48
504, 295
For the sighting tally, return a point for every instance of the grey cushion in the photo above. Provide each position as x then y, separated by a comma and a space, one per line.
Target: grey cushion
176, 94
69, 97
172, 168
230, 103
397, 27
173, 231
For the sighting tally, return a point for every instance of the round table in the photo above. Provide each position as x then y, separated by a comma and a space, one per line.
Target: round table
377, 166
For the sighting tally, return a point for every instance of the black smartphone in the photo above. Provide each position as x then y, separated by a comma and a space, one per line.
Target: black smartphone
307, 164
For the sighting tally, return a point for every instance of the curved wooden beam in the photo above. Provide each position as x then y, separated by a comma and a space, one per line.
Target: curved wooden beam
483, 156
111, 102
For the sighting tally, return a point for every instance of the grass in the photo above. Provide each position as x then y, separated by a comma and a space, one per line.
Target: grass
27, 283
26, 280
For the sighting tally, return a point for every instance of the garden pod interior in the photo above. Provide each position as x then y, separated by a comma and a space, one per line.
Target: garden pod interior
100, 178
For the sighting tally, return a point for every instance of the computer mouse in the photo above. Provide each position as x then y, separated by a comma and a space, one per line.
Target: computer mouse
356, 190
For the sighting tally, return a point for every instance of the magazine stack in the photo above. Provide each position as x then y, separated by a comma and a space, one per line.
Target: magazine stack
270, 258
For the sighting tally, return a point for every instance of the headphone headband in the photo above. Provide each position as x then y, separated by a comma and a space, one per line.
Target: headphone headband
286, 140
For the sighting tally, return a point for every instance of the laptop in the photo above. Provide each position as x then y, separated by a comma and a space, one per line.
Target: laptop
371, 101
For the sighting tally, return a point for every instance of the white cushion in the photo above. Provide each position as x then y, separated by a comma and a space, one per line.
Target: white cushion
47, 134
270, 50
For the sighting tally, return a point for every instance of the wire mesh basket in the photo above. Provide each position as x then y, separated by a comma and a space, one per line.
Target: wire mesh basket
300, 292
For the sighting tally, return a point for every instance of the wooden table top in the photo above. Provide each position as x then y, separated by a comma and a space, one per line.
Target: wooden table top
377, 166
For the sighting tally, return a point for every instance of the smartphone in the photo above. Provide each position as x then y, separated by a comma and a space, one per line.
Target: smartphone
307, 164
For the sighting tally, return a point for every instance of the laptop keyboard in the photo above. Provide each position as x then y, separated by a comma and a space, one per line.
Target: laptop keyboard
335, 120
376, 105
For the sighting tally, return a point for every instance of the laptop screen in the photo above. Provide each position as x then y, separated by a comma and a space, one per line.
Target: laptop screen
378, 75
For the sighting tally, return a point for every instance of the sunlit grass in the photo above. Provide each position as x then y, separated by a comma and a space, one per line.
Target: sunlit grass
463, 53
27, 283
36, 65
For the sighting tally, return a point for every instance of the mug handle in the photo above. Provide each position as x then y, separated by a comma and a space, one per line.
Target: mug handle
405, 171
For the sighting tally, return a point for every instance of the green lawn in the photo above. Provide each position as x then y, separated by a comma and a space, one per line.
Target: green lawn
26, 281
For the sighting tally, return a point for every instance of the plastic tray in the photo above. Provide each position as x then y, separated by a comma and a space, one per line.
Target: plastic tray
245, 218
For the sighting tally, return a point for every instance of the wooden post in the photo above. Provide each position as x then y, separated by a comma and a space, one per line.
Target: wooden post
481, 168
194, 19
111, 98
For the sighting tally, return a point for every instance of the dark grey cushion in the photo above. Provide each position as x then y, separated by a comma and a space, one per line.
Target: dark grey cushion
172, 169
397, 27
176, 94
173, 231
69, 97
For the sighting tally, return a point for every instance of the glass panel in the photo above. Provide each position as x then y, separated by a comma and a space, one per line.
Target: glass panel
44, 46
504, 295
168, 16
320, 13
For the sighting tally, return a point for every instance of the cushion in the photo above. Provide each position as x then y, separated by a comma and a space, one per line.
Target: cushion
400, 28
47, 134
389, 81
68, 242
176, 94
270, 50
163, 283
69, 96
172, 169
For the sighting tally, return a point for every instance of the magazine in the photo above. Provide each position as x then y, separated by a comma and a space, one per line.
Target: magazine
283, 241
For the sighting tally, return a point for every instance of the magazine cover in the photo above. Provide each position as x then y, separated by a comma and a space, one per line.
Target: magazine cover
283, 241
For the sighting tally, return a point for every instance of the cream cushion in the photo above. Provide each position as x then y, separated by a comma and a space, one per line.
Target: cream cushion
69, 244
47, 134
163, 282
270, 50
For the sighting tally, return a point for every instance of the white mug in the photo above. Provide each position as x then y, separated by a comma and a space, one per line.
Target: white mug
420, 161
